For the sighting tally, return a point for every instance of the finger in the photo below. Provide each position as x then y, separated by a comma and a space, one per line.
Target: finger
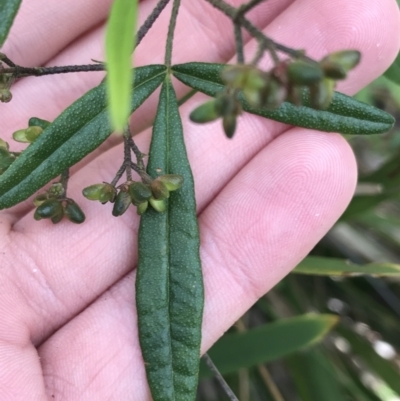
258, 228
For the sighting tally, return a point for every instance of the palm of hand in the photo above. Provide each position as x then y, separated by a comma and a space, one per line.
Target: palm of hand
68, 326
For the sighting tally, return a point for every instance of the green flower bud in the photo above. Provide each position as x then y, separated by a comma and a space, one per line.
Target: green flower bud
142, 208
57, 218
158, 205
235, 75
121, 204
20, 136
171, 181
55, 190
228, 104
205, 113
4, 144
304, 74
48, 209
159, 190
5, 95
321, 94
101, 192
229, 124
73, 212
274, 95
31, 133
337, 65
39, 199
139, 193
38, 122
6, 159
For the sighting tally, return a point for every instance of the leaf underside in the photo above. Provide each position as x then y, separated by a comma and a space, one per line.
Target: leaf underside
76, 132
169, 285
345, 115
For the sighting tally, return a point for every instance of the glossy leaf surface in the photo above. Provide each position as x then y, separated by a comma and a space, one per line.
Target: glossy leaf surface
268, 342
169, 287
120, 42
8, 11
345, 115
321, 266
76, 132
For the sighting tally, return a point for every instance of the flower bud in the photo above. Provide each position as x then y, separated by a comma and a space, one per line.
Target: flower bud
4, 144
139, 193
205, 113
274, 94
101, 192
171, 181
38, 122
31, 133
321, 94
158, 205
229, 124
121, 204
73, 212
235, 75
55, 190
20, 136
304, 74
337, 65
228, 104
6, 159
39, 199
57, 218
142, 208
5, 95
48, 209
159, 190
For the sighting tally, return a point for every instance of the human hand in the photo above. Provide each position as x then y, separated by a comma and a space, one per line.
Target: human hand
68, 329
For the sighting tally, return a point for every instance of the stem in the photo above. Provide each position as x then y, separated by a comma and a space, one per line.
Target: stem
219, 378
118, 175
244, 8
267, 42
267, 379
127, 155
150, 20
64, 181
171, 31
239, 43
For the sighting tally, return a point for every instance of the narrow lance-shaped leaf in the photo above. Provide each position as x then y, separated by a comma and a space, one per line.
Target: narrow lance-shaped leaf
120, 42
76, 132
320, 266
8, 11
315, 376
345, 114
169, 286
268, 342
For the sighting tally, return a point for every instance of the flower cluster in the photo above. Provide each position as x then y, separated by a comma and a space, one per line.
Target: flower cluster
136, 193
285, 82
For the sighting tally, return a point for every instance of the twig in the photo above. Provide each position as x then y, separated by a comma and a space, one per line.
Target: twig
127, 154
239, 43
171, 31
150, 20
64, 181
219, 378
267, 379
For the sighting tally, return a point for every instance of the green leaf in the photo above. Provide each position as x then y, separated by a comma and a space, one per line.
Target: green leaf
8, 11
169, 286
345, 115
268, 342
384, 368
362, 203
315, 377
76, 132
393, 72
320, 266
120, 42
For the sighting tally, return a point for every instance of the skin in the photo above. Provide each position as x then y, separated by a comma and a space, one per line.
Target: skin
68, 324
